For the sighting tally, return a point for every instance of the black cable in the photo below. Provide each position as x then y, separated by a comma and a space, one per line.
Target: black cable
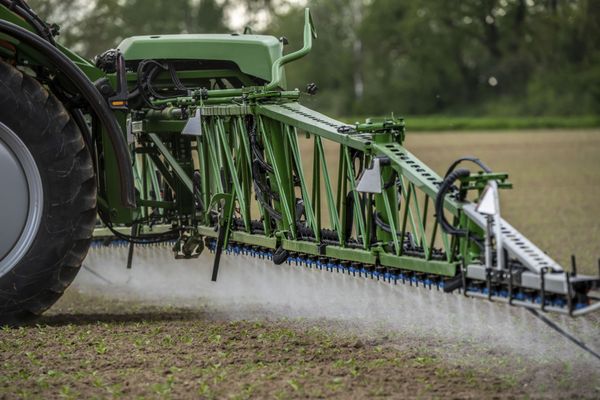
145, 78
259, 169
381, 224
260, 161
262, 186
176, 81
349, 221
141, 82
392, 181
149, 78
566, 334
23, 10
446, 185
257, 152
270, 210
472, 159
197, 184
150, 238
256, 149
357, 154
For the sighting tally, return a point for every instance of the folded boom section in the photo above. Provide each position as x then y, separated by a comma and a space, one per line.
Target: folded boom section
278, 180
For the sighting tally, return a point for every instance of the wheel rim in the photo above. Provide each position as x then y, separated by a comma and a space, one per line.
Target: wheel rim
21, 199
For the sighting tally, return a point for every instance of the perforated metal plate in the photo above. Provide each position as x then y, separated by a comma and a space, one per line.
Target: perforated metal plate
516, 244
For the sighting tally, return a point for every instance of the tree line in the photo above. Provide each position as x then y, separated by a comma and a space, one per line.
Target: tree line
373, 57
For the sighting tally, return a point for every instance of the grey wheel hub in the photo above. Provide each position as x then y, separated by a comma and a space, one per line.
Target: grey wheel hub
21, 199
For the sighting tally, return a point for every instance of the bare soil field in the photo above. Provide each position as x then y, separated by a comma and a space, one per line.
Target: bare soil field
263, 332
91, 350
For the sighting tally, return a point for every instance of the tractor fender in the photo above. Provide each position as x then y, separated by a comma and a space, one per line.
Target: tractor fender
95, 100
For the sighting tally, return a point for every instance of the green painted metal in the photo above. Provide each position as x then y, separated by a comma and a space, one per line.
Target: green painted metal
106, 233
277, 72
335, 252
242, 176
250, 173
253, 239
224, 157
177, 169
253, 54
419, 265
307, 120
356, 209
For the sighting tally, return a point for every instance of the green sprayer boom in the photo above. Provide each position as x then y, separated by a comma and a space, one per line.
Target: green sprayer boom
195, 141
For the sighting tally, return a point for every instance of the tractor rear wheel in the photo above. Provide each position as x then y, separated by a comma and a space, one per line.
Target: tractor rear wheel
47, 197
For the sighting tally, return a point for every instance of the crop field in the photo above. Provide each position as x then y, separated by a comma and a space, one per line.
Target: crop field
165, 331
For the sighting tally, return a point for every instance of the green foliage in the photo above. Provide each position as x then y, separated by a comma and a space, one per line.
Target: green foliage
500, 58
91, 29
468, 57
488, 123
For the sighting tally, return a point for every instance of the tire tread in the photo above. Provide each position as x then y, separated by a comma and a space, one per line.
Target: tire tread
62, 151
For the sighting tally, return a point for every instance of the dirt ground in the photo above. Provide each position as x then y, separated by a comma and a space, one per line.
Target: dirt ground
94, 346
91, 347
84, 349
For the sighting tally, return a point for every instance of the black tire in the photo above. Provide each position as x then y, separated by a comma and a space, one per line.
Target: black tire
38, 118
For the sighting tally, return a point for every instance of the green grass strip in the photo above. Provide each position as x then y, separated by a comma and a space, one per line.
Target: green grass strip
448, 123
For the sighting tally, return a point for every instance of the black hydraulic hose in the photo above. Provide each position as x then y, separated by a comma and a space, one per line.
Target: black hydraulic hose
145, 80
472, 159
133, 94
260, 161
259, 168
257, 153
92, 96
256, 150
176, 81
391, 181
270, 210
142, 81
262, 186
381, 224
349, 215
21, 8
354, 155
328, 236
149, 78
439, 201
197, 185
150, 238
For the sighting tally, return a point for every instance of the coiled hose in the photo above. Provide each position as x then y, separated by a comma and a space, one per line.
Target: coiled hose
445, 187
449, 179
